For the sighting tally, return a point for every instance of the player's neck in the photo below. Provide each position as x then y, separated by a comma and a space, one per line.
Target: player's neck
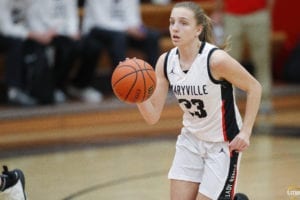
188, 54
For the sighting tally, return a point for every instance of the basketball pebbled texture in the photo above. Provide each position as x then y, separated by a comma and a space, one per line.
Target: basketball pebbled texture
133, 80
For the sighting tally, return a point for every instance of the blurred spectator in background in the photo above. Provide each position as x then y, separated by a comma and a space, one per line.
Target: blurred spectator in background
250, 20
80, 3
291, 70
58, 21
113, 25
13, 33
160, 2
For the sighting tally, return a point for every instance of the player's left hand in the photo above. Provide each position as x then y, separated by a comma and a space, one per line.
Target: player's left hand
239, 143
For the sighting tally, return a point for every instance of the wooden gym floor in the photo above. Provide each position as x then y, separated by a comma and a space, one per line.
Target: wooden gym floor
107, 152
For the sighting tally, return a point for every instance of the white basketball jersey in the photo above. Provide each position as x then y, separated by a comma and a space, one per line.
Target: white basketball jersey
210, 111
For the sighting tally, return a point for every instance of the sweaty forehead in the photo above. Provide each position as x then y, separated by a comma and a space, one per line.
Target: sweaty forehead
181, 12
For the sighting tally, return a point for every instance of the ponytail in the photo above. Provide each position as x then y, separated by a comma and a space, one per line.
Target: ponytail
207, 32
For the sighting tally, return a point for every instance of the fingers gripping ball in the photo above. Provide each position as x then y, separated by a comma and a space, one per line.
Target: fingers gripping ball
133, 80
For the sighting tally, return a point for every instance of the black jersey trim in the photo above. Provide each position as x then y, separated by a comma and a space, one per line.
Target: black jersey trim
165, 65
230, 126
202, 47
208, 68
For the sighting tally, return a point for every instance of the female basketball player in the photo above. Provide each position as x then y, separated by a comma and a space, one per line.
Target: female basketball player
202, 77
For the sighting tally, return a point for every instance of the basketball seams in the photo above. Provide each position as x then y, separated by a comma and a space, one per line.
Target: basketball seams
122, 66
133, 88
147, 71
123, 77
149, 76
136, 71
144, 80
127, 75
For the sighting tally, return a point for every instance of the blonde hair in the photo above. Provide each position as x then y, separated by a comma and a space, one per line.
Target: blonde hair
202, 19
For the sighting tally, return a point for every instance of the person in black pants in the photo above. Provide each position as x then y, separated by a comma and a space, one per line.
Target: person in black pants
60, 20
14, 78
114, 26
13, 33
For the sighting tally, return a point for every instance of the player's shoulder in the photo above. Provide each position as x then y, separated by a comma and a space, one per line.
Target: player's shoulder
161, 64
161, 58
221, 63
164, 57
219, 56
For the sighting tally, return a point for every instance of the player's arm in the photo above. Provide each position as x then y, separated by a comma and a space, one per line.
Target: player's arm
151, 109
224, 67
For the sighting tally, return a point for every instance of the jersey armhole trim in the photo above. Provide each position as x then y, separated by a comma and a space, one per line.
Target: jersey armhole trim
165, 65
208, 68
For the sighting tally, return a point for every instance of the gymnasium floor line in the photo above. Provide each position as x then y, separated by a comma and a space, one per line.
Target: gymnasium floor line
116, 182
123, 171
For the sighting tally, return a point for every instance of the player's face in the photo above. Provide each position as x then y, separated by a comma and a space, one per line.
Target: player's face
183, 27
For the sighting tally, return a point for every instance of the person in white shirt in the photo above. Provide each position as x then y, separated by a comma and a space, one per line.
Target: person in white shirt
13, 33
58, 19
114, 25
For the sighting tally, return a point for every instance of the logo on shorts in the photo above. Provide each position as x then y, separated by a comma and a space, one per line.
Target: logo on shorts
293, 192
222, 151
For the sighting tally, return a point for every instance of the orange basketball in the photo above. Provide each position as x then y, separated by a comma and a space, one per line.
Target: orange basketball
133, 80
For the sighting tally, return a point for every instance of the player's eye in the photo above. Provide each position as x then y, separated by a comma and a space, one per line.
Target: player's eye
172, 22
184, 22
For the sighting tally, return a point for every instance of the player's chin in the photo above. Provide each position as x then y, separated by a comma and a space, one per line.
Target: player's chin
176, 42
